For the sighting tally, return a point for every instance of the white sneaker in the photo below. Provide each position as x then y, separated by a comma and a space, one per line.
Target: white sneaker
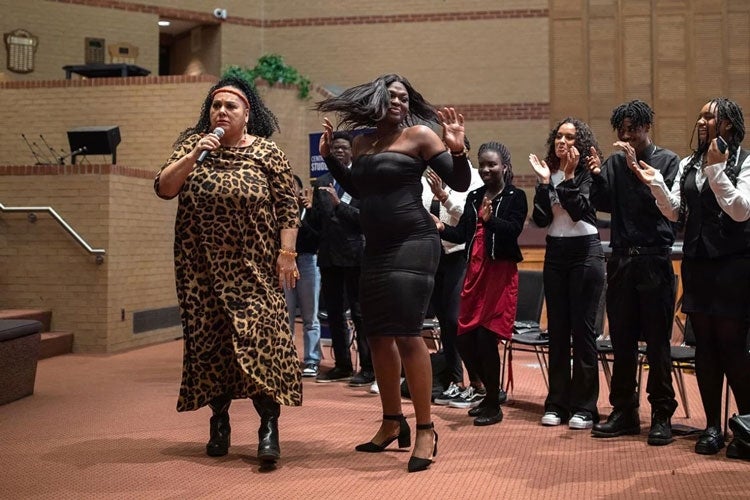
580, 421
451, 392
374, 388
551, 418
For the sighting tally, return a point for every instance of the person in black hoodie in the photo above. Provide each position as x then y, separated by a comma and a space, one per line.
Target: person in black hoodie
336, 216
492, 220
573, 272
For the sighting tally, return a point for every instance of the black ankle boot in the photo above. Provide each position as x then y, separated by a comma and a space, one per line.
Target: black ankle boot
403, 436
268, 433
219, 430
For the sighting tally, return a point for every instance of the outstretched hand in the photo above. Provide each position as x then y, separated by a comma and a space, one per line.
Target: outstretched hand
594, 162
326, 139
453, 129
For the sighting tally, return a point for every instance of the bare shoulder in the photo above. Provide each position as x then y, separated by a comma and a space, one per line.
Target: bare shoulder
362, 142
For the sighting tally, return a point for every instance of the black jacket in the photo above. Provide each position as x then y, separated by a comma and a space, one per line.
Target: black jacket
574, 198
341, 242
509, 211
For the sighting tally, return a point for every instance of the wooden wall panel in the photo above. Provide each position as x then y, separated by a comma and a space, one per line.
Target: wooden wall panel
569, 75
636, 58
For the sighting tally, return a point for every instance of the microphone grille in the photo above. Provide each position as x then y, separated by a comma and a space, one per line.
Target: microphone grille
219, 132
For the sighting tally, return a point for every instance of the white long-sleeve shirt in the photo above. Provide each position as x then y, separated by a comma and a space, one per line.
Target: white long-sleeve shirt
734, 200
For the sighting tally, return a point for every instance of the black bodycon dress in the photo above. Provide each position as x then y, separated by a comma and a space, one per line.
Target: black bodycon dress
402, 245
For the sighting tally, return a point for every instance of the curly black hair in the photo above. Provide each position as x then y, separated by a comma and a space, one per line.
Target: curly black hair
365, 105
639, 113
262, 121
584, 141
504, 154
725, 110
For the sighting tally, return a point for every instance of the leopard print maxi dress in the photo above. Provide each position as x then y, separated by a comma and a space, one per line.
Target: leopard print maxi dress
234, 317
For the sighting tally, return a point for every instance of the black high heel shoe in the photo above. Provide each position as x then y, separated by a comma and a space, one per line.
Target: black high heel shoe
417, 464
403, 436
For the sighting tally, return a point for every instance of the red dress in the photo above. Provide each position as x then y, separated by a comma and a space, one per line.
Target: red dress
490, 292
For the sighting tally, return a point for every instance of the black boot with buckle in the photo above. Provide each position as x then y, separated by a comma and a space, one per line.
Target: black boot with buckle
268, 433
220, 431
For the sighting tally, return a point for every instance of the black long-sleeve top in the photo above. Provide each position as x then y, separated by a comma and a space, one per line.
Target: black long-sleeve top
574, 198
636, 220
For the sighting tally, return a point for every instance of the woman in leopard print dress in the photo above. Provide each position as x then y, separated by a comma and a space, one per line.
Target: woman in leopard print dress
235, 234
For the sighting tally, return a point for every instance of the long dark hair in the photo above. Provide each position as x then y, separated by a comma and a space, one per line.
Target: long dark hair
726, 110
366, 104
584, 141
262, 122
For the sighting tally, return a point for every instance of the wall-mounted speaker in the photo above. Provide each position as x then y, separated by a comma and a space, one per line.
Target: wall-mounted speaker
102, 140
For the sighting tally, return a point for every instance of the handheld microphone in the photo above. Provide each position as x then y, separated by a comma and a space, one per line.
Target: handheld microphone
218, 132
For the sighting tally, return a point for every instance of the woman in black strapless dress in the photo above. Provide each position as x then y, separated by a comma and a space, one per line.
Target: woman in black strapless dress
402, 245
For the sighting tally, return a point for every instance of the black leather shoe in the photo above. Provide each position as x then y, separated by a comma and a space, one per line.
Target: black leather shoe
489, 416
219, 436
619, 423
660, 433
738, 449
362, 379
268, 433
710, 441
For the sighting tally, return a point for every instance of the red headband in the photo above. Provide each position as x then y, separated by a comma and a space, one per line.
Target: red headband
234, 91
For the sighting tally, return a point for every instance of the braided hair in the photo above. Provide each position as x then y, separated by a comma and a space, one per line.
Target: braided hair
366, 104
724, 110
639, 113
504, 154
585, 140
261, 122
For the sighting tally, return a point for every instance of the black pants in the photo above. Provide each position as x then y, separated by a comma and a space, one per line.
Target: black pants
339, 287
446, 296
640, 306
573, 284
479, 351
721, 349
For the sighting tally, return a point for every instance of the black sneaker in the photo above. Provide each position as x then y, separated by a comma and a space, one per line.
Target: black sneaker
362, 379
334, 375
310, 370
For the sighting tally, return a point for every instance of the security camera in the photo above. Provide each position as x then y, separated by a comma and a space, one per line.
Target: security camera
220, 13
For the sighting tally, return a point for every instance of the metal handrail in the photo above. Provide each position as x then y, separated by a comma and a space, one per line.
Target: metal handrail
98, 252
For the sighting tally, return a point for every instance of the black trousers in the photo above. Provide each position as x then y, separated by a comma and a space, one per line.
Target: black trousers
446, 296
573, 284
640, 306
339, 287
479, 351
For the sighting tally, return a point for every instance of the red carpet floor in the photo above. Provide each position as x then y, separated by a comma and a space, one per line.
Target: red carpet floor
105, 426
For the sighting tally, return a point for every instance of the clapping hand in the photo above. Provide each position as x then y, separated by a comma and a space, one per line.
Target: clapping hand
570, 161
485, 211
453, 129
645, 172
540, 169
594, 162
436, 184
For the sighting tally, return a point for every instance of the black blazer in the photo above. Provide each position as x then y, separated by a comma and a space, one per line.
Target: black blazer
509, 211
341, 242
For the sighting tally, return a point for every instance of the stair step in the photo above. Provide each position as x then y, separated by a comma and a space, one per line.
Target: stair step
55, 344
43, 316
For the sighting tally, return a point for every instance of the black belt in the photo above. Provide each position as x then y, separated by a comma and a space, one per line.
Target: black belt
633, 251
